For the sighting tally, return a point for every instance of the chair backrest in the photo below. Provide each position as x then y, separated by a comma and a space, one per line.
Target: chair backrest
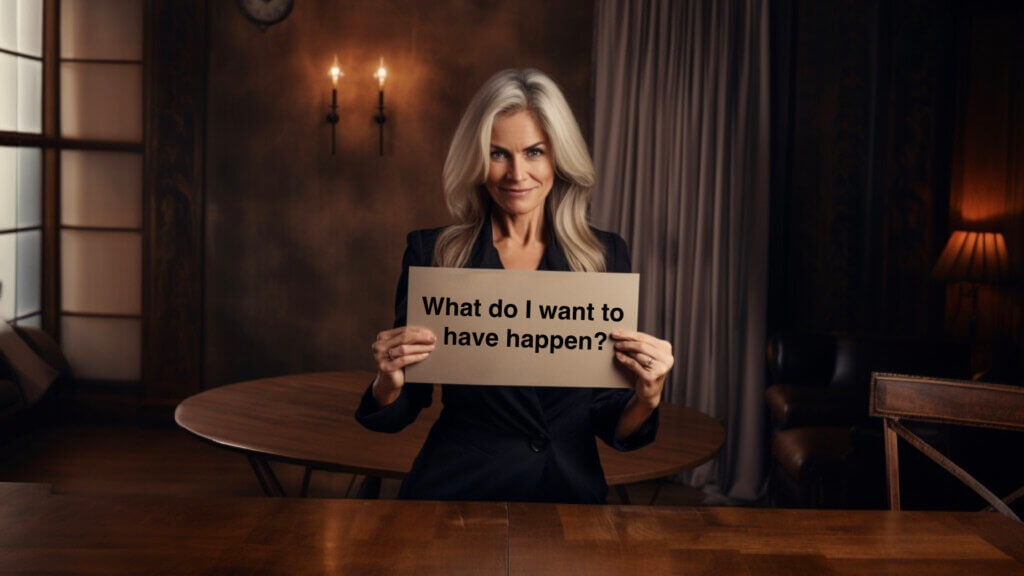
962, 402
959, 402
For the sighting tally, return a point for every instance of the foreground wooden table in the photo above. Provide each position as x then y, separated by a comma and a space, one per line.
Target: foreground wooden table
50, 534
309, 419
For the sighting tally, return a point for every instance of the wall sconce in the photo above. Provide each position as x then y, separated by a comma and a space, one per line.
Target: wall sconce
381, 74
332, 116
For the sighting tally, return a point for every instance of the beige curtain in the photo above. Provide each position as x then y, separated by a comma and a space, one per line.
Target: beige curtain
681, 148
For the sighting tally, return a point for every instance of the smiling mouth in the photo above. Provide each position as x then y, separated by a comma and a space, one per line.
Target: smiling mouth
516, 190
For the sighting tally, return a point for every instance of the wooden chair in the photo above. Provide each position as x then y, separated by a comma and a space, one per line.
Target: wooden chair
959, 402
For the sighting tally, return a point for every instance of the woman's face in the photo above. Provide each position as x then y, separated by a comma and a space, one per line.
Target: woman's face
520, 173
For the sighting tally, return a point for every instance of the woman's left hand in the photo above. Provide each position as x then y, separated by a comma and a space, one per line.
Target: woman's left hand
649, 358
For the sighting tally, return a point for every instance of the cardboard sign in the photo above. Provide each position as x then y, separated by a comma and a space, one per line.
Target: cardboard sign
522, 328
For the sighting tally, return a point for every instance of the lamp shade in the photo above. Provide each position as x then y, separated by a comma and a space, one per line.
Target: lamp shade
973, 257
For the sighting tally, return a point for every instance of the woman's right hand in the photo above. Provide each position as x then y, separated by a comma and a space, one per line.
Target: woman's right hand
393, 350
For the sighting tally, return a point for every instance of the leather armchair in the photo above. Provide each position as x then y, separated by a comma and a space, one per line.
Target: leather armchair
824, 446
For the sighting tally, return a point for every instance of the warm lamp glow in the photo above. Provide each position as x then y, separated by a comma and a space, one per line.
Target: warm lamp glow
381, 74
335, 72
973, 257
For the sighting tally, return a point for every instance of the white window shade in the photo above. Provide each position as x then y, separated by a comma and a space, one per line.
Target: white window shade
29, 282
30, 187
30, 27
101, 189
101, 272
8, 188
101, 101
101, 29
9, 24
21, 77
8, 260
8, 92
30, 96
21, 26
102, 348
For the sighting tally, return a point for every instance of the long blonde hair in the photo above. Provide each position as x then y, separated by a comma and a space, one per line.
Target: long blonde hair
465, 169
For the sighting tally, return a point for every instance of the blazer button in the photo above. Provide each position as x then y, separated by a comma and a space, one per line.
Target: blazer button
539, 444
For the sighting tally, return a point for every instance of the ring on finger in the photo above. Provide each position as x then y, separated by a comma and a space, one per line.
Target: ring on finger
650, 362
390, 358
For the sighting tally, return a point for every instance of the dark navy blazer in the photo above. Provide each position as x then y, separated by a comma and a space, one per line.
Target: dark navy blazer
503, 442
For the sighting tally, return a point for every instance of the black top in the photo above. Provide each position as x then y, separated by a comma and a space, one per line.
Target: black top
507, 443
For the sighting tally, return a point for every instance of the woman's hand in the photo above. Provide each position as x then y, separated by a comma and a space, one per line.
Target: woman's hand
393, 350
650, 359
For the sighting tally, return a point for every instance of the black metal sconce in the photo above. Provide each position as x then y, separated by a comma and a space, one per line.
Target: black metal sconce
332, 116
381, 74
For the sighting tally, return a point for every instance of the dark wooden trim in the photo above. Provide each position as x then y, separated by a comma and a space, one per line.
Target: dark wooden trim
27, 140
79, 144
148, 36
16, 230
28, 56
51, 171
110, 315
102, 61
175, 93
100, 229
94, 385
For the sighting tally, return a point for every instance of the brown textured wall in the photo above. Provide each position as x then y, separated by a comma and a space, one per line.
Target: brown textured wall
302, 249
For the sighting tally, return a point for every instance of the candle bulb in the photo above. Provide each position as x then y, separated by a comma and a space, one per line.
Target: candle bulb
332, 117
335, 72
381, 74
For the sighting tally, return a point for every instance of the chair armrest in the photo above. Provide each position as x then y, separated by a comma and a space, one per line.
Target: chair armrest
792, 406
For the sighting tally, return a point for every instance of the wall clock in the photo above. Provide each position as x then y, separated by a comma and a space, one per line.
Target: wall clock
266, 12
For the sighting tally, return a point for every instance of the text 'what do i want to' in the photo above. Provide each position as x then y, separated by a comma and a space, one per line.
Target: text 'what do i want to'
447, 307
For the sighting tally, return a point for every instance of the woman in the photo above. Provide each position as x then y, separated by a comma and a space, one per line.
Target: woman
517, 180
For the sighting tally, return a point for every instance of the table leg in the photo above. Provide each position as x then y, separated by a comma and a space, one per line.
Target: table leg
351, 483
305, 481
370, 488
623, 494
265, 475
657, 491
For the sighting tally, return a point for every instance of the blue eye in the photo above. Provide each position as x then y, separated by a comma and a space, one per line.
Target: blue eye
498, 155
534, 152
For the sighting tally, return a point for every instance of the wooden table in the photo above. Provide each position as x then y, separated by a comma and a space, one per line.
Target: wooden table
309, 419
114, 535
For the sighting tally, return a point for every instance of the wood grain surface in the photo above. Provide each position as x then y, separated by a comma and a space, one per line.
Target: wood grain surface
113, 535
152, 535
310, 419
557, 539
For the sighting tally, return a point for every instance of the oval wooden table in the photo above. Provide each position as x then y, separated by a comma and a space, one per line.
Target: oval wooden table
309, 420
